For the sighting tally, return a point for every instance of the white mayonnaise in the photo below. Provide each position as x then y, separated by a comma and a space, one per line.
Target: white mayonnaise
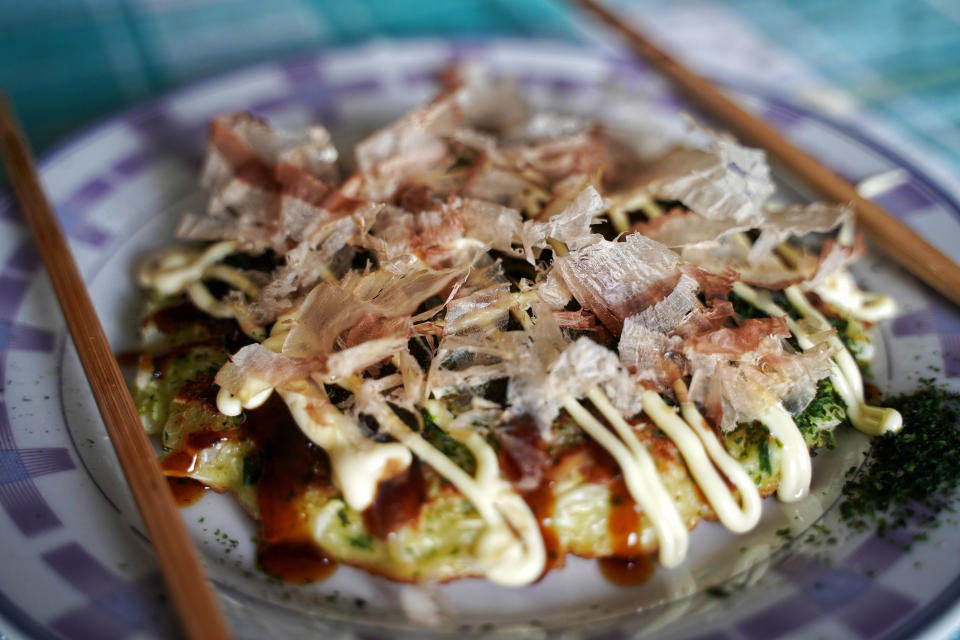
182, 270
511, 544
358, 463
845, 377
871, 420
172, 271
795, 469
841, 290
639, 474
695, 443
231, 405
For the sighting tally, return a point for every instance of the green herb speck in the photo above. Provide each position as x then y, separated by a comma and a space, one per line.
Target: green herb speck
364, 541
907, 477
764, 455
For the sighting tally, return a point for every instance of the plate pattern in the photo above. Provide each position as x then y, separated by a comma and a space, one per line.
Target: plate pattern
68, 581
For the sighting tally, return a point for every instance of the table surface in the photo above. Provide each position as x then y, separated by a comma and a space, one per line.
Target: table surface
66, 65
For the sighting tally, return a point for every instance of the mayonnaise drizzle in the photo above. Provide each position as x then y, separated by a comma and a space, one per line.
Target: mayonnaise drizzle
233, 277
173, 271
201, 298
841, 290
845, 377
843, 358
358, 463
696, 443
231, 405
639, 473
181, 270
512, 559
795, 469
622, 203
511, 545
873, 421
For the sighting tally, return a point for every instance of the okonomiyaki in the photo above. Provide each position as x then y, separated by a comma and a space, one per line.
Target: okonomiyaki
491, 338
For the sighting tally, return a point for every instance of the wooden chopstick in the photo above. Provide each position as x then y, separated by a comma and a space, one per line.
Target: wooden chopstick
892, 236
193, 596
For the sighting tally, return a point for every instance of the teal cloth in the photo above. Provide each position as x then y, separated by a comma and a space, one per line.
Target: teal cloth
66, 64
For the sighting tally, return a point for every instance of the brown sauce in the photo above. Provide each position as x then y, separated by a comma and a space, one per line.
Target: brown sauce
523, 452
628, 567
542, 501
186, 491
599, 467
624, 520
183, 461
292, 467
300, 563
398, 502
200, 389
173, 318
629, 571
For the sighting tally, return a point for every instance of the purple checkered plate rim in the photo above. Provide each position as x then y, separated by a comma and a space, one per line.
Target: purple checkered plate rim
77, 563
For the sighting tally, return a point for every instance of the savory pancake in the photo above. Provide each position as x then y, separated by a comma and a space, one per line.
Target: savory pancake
503, 338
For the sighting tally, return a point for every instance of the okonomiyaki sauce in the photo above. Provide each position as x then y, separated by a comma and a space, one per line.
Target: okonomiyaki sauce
624, 520
186, 491
541, 501
183, 461
292, 466
299, 563
522, 450
627, 568
629, 571
398, 502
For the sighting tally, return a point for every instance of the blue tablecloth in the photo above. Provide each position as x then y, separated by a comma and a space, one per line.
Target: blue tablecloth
66, 64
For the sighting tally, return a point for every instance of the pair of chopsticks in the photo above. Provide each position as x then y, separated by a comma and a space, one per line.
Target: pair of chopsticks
896, 239
192, 595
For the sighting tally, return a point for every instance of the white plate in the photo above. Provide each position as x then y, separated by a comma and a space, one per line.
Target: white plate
75, 563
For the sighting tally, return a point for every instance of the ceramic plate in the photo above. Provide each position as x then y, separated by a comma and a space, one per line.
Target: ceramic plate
77, 565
